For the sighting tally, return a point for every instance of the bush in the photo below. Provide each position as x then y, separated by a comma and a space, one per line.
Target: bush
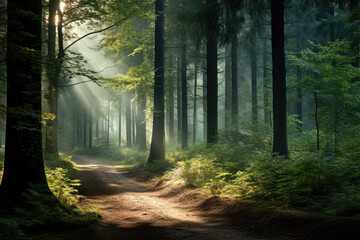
309, 181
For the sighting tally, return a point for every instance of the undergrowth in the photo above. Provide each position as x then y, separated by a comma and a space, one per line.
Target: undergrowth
317, 182
42, 213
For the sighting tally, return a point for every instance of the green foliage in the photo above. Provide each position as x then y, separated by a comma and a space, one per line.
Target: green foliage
62, 187
197, 171
9, 230
328, 79
310, 181
47, 211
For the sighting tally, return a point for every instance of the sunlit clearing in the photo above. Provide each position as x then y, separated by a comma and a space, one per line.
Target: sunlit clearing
57, 20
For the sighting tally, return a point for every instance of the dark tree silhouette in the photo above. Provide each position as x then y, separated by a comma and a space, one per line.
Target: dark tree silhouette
280, 145
157, 149
23, 165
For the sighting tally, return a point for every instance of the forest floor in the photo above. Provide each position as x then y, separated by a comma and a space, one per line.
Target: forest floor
134, 207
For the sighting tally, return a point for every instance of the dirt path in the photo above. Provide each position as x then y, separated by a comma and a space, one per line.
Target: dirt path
135, 209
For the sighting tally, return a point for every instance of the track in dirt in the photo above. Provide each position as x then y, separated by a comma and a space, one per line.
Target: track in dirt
135, 209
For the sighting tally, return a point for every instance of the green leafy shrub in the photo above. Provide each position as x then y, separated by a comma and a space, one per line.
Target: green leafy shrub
62, 187
309, 181
198, 171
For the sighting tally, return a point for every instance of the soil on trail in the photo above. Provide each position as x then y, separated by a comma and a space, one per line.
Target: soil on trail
133, 208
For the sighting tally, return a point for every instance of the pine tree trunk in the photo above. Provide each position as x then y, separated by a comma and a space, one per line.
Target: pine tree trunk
179, 101
85, 129
157, 149
234, 85
184, 113
267, 114
254, 112
195, 99
212, 90
205, 101
133, 123
227, 90
51, 90
141, 129
280, 145
171, 110
119, 137
108, 126
128, 121
23, 164
90, 130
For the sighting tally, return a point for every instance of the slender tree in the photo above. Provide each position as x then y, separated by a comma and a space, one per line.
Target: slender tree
184, 103
128, 121
212, 73
280, 145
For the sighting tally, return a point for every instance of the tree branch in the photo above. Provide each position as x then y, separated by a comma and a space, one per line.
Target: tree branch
95, 32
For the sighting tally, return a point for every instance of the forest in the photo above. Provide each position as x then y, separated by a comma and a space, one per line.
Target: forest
179, 119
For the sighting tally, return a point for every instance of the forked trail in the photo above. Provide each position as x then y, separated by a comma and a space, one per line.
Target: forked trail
132, 208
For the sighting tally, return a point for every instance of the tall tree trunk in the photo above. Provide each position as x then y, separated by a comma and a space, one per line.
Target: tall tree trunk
317, 121
119, 120
254, 112
195, 98
157, 149
280, 145
133, 122
23, 164
234, 85
212, 90
299, 107
267, 114
128, 121
171, 110
141, 129
184, 113
205, 100
108, 126
85, 129
179, 101
227, 90
90, 130
51, 93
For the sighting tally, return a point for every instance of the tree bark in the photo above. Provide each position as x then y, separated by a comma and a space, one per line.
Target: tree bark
195, 98
234, 85
254, 111
128, 121
23, 164
280, 145
90, 130
85, 129
141, 128
205, 100
179, 101
212, 90
267, 114
227, 90
51, 90
119, 137
157, 149
171, 110
184, 113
